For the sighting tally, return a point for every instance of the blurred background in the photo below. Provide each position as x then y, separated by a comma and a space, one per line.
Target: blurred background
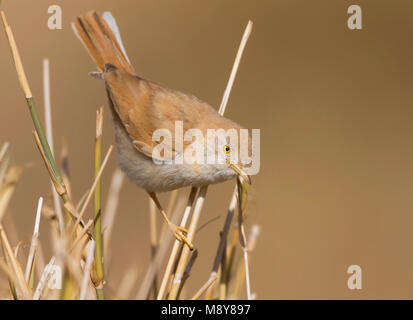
334, 107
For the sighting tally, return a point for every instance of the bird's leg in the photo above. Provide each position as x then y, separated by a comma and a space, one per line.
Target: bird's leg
179, 232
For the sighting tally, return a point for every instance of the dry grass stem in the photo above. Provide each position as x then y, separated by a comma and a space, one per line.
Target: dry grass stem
205, 287
43, 279
15, 266
4, 166
92, 189
16, 57
127, 283
242, 197
235, 67
3, 151
176, 246
64, 156
240, 276
59, 186
86, 273
199, 202
176, 283
156, 261
223, 241
98, 278
152, 227
33, 244
111, 206
40, 136
8, 187
49, 134
81, 234
153, 239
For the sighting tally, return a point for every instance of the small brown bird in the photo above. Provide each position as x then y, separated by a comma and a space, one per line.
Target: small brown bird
140, 107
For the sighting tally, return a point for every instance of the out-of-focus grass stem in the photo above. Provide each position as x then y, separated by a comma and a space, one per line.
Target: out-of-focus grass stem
97, 225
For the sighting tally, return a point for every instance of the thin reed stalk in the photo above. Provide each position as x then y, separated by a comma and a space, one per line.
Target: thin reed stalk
49, 134
33, 245
201, 197
3, 150
15, 266
4, 162
64, 156
92, 189
176, 246
87, 269
242, 197
97, 226
205, 287
157, 260
153, 239
10, 275
223, 241
127, 283
8, 187
43, 279
111, 207
240, 276
176, 283
51, 163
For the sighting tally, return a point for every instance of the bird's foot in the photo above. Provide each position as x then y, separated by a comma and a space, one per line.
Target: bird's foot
180, 234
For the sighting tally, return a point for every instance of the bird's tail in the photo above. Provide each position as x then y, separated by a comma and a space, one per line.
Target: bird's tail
101, 38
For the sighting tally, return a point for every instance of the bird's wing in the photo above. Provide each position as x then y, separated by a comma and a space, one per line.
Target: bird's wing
145, 107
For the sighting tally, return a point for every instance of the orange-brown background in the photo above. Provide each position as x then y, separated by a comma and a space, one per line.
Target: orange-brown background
335, 109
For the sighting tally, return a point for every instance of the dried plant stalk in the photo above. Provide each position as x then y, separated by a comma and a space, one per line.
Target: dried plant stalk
176, 284
111, 206
223, 241
97, 226
15, 266
33, 111
240, 276
156, 261
153, 238
43, 279
205, 287
10, 275
49, 134
86, 274
4, 162
199, 202
33, 244
92, 189
64, 156
3, 150
242, 197
8, 187
175, 249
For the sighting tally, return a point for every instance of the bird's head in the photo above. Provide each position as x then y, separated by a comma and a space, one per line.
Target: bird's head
226, 148
235, 164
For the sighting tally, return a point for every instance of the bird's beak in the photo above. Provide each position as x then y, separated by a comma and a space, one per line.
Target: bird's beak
241, 173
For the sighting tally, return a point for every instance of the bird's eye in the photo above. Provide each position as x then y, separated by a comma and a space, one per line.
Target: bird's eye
227, 149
